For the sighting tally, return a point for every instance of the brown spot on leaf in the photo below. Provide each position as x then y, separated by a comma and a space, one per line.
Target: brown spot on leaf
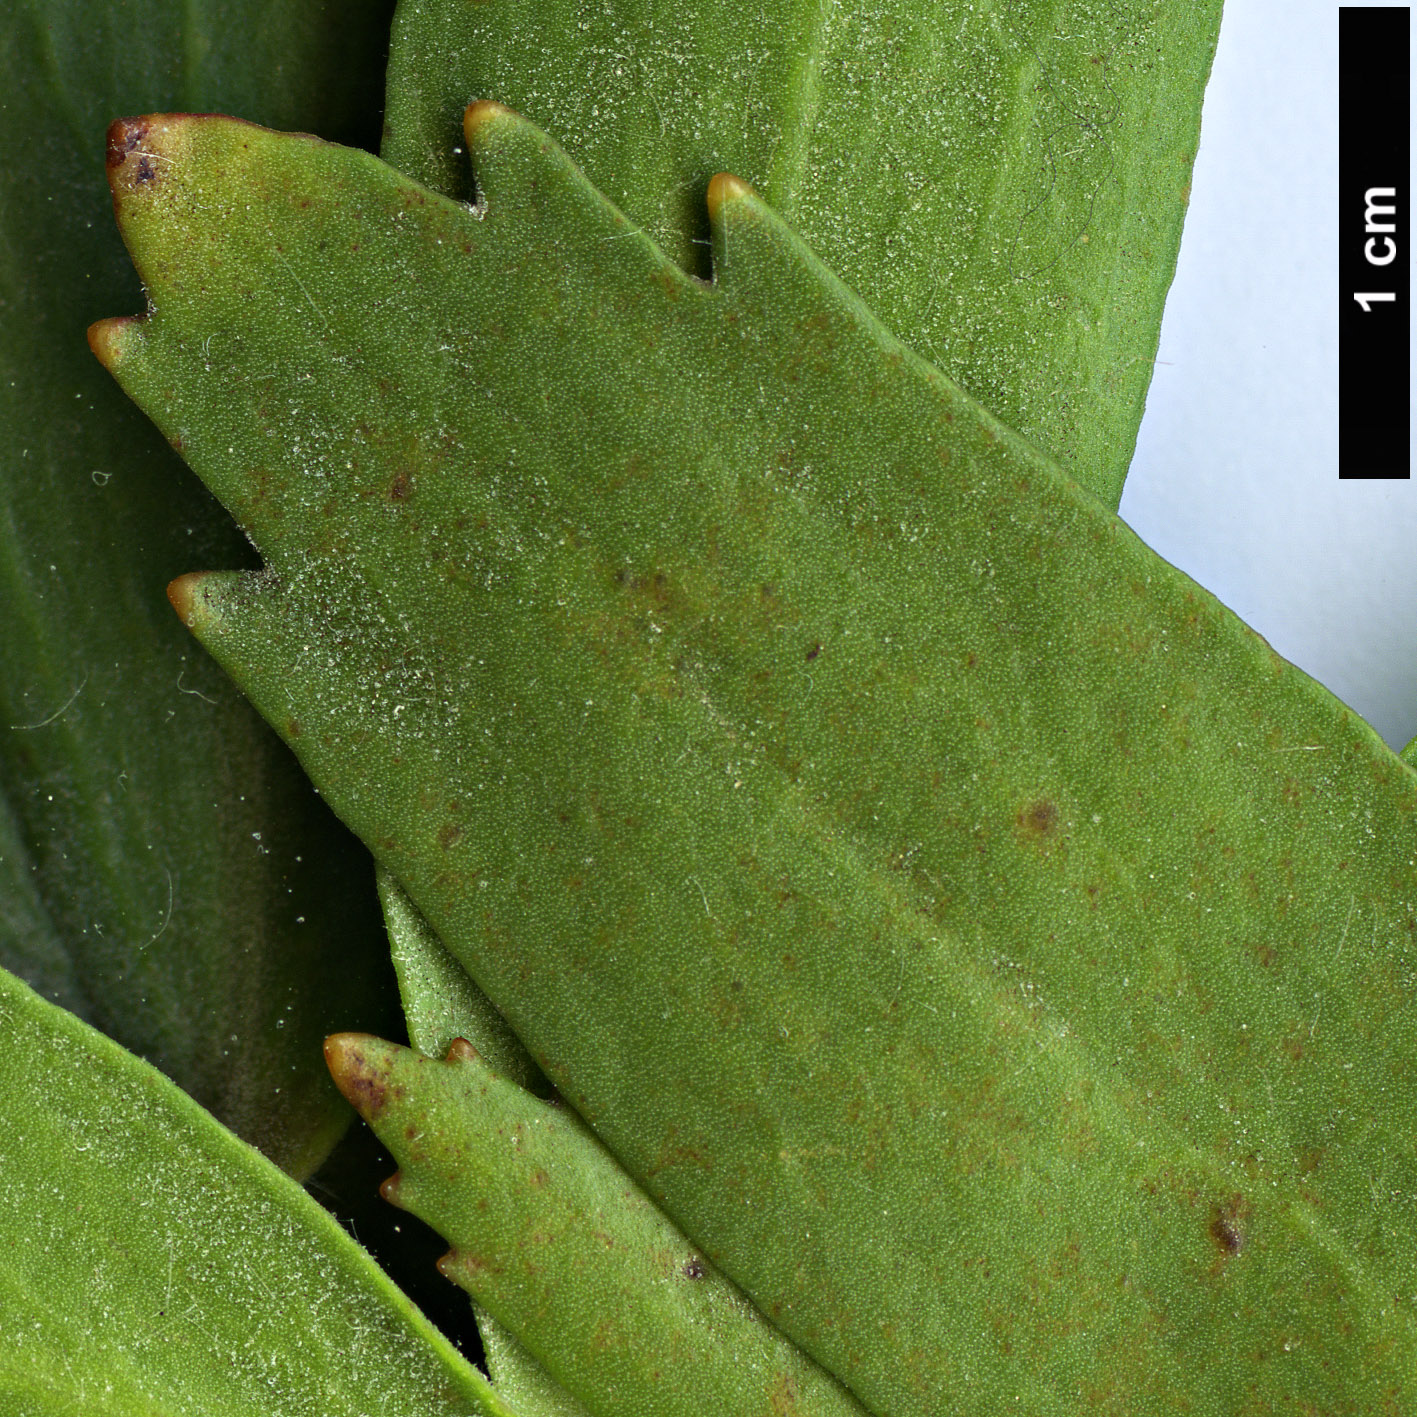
814, 651
401, 488
1039, 818
1227, 1227
364, 1085
1226, 1235
694, 1269
123, 136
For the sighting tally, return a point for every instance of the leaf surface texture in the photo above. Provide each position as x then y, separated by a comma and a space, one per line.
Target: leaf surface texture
165, 870
1004, 186
975, 938
165, 1268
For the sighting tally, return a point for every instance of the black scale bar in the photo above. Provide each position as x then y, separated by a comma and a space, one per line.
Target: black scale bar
1374, 211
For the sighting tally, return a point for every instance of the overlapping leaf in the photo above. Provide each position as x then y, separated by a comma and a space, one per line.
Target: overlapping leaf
1004, 186
652, 100
165, 871
992, 954
156, 1264
557, 1242
547, 1229
442, 1006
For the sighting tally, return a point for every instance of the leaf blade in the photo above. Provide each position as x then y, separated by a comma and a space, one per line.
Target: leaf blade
168, 915
568, 1254
838, 783
1005, 191
166, 1267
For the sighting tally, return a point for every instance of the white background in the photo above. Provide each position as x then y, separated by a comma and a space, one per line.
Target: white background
1235, 477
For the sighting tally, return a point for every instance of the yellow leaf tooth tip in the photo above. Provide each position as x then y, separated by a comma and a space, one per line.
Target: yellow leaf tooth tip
182, 593
478, 115
725, 187
106, 338
460, 1267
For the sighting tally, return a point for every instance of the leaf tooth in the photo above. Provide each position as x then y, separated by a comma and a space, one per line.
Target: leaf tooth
136, 156
391, 1190
206, 601
114, 339
482, 112
725, 187
498, 142
524, 175
767, 267
359, 1063
184, 594
463, 1268
146, 157
752, 246
461, 1051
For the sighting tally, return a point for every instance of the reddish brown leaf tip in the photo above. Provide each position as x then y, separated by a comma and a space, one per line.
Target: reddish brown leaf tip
477, 115
461, 1051
125, 135
725, 187
106, 338
136, 163
390, 1189
183, 595
364, 1084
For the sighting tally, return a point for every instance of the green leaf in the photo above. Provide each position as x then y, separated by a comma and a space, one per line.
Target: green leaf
519, 1377
440, 1002
993, 955
587, 1196
564, 1250
163, 1267
441, 1006
1004, 187
165, 869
